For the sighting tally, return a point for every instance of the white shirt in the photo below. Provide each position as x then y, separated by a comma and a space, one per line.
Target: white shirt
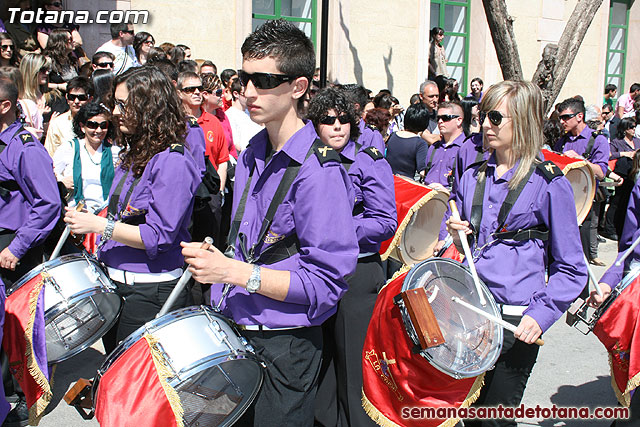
91, 187
60, 131
125, 57
242, 127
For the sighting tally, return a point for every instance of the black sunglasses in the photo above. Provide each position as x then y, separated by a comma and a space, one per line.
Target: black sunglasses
6, 47
217, 92
495, 117
330, 120
104, 65
56, 4
446, 117
191, 89
565, 117
128, 31
80, 97
264, 80
95, 125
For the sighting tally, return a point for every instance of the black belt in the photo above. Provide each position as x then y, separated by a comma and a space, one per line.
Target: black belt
538, 232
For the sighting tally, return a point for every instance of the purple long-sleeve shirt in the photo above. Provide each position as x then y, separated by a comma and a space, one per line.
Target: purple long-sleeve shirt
196, 144
32, 211
599, 153
163, 199
630, 233
372, 182
618, 146
515, 271
317, 209
444, 157
369, 137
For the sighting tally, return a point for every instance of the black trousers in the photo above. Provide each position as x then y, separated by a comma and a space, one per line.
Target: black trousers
589, 232
505, 383
142, 302
290, 382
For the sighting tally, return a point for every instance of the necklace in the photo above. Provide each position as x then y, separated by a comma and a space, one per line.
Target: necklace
90, 157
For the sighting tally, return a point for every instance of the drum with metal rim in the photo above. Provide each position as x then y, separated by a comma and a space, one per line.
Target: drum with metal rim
214, 371
472, 342
80, 304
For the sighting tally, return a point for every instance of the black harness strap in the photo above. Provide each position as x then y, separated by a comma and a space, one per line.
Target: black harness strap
430, 163
348, 163
112, 210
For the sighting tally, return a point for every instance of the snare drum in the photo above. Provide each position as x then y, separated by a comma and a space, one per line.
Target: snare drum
420, 211
472, 342
581, 178
79, 302
212, 368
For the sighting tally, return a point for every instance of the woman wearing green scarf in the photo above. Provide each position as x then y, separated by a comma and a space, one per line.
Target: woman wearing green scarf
86, 164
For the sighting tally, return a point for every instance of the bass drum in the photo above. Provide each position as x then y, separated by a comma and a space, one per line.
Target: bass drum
214, 371
80, 304
420, 211
472, 342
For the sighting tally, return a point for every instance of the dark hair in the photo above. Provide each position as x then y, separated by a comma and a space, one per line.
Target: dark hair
634, 87
185, 75
156, 53
607, 107
331, 98
156, 114
102, 84
415, 98
81, 83
183, 47
15, 58
99, 55
552, 131
479, 80
378, 118
435, 31
236, 86
164, 65
609, 88
449, 90
467, 105
208, 63
9, 90
176, 54
167, 46
210, 82
383, 100
88, 111
575, 105
356, 94
57, 50
115, 29
416, 118
187, 65
138, 41
625, 124
288, 45
226, 75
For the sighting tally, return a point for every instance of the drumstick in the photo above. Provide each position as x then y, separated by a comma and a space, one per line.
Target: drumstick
506, 325
173, 296
64, 236
467, 253
626, 253
592, 277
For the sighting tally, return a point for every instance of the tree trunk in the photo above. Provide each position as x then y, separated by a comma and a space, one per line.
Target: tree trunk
552, 76
501, 27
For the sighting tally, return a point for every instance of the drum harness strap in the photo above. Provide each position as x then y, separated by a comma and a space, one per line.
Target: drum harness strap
589, 148
358, 208
538, 232
281, 249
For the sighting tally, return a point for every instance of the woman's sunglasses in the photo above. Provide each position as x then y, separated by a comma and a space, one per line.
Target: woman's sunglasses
495, 117
264, 80
95, 125
217, 92
330, 120
6, 47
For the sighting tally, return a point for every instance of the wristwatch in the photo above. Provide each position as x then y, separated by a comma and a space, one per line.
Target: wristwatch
254, 282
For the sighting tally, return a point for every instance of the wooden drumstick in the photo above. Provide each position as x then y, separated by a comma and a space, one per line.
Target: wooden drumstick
628, 252
65, 235
467, 253
173, 296
506, 325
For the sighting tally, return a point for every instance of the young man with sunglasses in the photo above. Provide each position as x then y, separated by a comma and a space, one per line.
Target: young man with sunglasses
121, 46
79, 93
103, 61
442, 154
287, 274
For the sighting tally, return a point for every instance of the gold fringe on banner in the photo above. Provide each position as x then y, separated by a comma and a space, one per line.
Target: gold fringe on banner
623, 397
163, 374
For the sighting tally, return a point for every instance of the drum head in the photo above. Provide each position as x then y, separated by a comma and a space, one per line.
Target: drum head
582, 184
72, 328
421, 234
472, 343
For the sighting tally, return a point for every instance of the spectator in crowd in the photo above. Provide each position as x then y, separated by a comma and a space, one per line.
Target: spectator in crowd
8, 52
176, 55
226, 76
212, 95
429, 95
442, 154
449, 91
85, 165
208, 67
187, 65
552, 131
120, 46
437, 55
624, 105
142, 43
186, 49
103, 60
27, 109
23, 34
60, 131
378, 120
166, 47
476, 89
406, 150
35, 70
415, 98
625, 143
155, 52
359, 97
44, 30
102, 84
471, 120
242, 127
64, 66
610, 92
